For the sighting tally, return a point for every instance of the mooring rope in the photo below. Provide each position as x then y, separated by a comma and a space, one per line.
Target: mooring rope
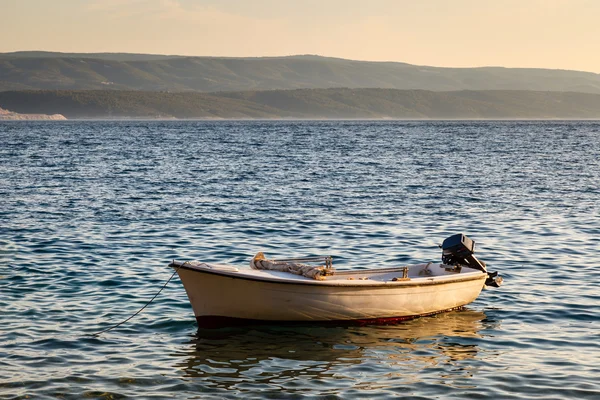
141, 309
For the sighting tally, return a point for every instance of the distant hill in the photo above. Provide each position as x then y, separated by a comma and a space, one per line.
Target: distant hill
99, 56
118, 71
307, 103
95, 56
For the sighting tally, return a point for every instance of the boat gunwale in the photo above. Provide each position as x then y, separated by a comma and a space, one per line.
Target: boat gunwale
355, 284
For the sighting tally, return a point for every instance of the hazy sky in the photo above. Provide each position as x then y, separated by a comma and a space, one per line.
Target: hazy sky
513, 33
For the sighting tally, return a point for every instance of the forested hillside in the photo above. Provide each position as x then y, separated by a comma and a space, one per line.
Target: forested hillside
306, 103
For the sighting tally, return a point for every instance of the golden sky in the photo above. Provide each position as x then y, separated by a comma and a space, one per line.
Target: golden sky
558, 34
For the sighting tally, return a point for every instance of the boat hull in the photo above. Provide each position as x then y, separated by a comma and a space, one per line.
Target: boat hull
226, 299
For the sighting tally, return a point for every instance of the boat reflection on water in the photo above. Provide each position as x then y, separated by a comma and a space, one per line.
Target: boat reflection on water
444, 347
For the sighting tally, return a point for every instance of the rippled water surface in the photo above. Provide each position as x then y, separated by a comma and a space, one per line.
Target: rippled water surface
92, 212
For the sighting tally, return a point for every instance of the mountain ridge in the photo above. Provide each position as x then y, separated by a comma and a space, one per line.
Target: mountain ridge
146, 72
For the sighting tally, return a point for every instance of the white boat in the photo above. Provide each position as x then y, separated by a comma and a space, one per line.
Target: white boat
223, 295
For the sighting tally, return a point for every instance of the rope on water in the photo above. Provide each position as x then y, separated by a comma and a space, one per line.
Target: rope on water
141, 309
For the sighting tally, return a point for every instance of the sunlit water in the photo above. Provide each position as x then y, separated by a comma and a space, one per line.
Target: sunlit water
92, 212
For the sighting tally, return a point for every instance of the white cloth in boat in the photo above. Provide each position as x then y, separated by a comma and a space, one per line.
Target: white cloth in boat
260, 262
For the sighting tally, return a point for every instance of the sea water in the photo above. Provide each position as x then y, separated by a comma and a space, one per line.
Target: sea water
92, 212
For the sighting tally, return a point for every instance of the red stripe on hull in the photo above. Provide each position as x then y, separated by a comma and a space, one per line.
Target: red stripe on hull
216, 321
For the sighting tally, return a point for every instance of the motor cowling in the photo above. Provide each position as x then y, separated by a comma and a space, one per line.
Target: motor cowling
459, 250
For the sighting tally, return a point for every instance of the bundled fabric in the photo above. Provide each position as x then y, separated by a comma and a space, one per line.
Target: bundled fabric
260, 262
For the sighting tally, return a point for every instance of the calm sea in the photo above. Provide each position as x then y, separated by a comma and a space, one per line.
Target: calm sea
92, 212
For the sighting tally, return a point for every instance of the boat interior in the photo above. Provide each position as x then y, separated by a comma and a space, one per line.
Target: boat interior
355, 276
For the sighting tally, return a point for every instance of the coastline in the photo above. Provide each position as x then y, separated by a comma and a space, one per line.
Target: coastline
304, 104
6, 115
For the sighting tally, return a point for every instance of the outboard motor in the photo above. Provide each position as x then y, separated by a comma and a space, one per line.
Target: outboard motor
459, 250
